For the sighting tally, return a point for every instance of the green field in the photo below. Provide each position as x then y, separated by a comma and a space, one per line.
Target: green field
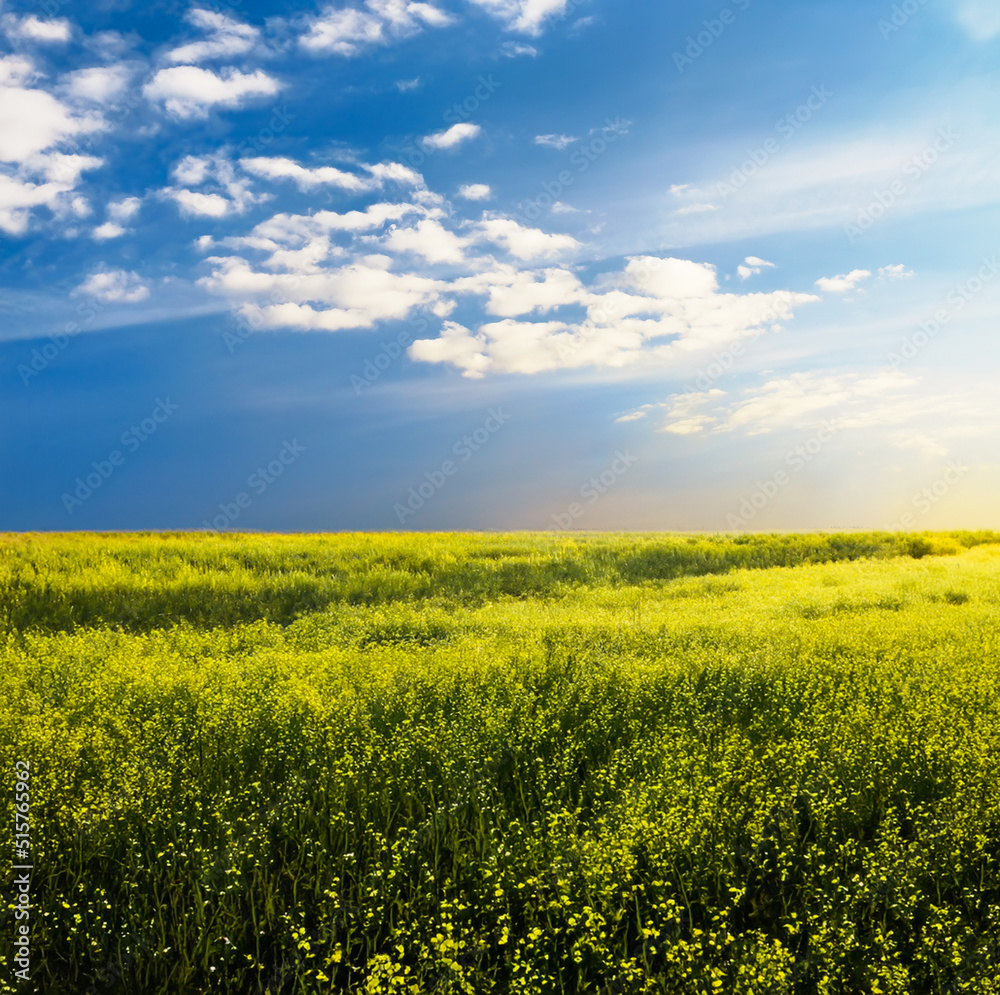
533, 763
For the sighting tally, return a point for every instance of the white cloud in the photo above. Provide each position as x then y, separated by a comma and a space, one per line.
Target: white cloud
455, 345
523, 242
405, 85
99, 84
653, 310
327, 270
798, 401
897, 271
453, 136
980, 18
125, 209
348, 30
428, 239
190, 91
475, 191
107, 230
856, 400
277, 168
195, 203
357, 295
513, 49
228, 193
527, 16
751, 266
280, 168
227, 37
119, 213
31, 28
32, 120
114, 286
33, 126
560, 208
515, 293
556, 141
844, 282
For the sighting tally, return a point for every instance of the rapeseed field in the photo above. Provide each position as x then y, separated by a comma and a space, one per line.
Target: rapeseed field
521, 763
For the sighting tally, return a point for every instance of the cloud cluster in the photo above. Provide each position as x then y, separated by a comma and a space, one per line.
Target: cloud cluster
226, 39
348, 31
36, 129
119, 213
331, 270
801, 401
221, 192
114, 287
526, 16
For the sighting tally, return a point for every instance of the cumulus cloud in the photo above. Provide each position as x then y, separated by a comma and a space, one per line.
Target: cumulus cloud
306, 178
330, 270
430, 240
227, 37
559, 142
654, 308
191, 92
751, 266
453, 136
349, 30
475, 191
35, 127
896, 271
116, 286
526, 16
523, 242
226, 193
98, 84
844, 282
119, 213
31, 28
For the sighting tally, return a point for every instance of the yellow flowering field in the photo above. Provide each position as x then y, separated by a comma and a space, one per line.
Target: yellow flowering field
504, 763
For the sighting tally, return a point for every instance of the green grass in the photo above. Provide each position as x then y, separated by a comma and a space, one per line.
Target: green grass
529, 763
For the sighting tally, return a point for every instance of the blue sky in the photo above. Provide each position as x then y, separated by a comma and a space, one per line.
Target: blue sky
499, 264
